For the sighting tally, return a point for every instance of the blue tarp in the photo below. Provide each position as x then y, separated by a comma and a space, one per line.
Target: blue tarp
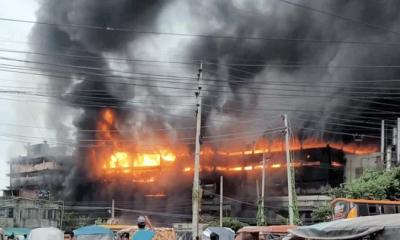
93, 230
17, 231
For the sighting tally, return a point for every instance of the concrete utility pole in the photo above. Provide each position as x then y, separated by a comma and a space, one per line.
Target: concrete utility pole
263, 189
289, 171
221, 200
398, 142
388, 158
112, 209
382, 142
196, 180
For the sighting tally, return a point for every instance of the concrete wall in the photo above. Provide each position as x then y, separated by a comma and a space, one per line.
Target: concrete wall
356, 165
21, 212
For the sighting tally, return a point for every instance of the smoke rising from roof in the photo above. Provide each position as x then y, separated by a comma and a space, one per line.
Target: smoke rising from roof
301, 70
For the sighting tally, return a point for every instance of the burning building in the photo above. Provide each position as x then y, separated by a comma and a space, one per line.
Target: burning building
123, 76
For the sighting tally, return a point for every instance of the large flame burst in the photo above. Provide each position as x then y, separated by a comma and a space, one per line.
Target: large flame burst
114, 153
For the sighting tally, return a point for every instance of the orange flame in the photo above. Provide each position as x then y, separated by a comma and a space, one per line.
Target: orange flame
115, 152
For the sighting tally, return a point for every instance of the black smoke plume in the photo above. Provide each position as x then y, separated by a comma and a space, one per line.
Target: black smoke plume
315, 82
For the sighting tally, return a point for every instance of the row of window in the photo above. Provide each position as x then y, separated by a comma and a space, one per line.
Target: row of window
31, 213
365, 209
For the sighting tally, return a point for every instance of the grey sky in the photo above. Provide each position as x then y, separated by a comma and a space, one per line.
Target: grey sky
15, 111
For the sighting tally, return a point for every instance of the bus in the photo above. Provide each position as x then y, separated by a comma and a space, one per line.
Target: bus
351, 208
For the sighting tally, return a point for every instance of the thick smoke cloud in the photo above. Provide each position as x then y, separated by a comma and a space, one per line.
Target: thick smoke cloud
237, 92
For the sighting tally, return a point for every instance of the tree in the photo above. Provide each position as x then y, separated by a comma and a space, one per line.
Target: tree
72, 220
322, 213
228, 222
373, 184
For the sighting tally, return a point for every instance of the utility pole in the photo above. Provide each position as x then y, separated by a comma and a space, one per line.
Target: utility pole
382, 142
221, 200
289, 171
388, 158
398, 142
112, 210
196, 180
263, 190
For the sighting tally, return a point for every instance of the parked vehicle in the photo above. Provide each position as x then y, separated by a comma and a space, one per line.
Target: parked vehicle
351, 208
380, 227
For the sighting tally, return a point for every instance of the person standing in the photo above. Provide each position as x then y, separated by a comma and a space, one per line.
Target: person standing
144, 233
125, 236
69, 235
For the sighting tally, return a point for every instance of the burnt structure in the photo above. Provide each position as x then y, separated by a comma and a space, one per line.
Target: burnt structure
98, 52
39, 174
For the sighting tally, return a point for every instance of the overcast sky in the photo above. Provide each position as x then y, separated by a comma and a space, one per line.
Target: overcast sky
13, 110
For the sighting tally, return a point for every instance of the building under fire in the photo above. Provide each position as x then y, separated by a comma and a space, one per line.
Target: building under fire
160, 182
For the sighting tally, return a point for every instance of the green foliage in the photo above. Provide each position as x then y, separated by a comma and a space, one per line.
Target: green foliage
322, 213
100, 221
72, 220
296, 213
232, 223
261, 218
374, 184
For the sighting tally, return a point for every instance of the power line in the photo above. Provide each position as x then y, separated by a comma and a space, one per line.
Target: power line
191, 35
335, 132
260, 94
348, 19
194, 62
174, 81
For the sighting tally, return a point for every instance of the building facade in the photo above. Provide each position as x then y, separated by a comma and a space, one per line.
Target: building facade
38, 174
30, 213
356, 165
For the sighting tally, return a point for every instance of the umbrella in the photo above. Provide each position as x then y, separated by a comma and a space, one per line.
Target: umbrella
49, 233
93, 230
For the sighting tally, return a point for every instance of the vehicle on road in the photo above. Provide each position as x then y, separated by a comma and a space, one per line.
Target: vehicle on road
351, 208
380, 227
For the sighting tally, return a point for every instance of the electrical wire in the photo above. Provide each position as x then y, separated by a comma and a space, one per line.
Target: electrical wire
227, 37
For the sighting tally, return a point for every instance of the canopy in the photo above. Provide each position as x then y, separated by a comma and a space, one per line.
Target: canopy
50, 233
386, 227
223, 233
17, 231
93, 230
161, 233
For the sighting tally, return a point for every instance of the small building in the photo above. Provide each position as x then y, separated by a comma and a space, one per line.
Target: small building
357, 164
30, 213
37, 173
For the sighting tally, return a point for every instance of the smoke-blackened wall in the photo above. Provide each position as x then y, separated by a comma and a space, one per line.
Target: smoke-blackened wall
267, 69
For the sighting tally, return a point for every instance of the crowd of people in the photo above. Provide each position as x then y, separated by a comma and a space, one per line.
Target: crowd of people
144, 231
